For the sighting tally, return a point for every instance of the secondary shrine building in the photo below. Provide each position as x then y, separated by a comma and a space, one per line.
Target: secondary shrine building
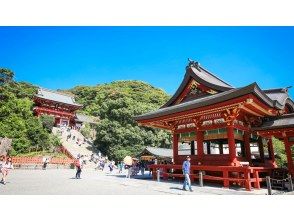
226, 131
62, 107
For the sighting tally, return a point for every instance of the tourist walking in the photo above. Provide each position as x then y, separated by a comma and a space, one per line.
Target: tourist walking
120, 167
45, 162
111, 166
2, 161
130, 170
79, 165
186, 172
5, 167
142, 167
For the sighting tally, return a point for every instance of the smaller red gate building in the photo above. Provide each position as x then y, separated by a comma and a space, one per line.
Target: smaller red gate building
63, 107
226, 130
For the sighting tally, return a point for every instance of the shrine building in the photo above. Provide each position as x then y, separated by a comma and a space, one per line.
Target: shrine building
63, 107
226, 131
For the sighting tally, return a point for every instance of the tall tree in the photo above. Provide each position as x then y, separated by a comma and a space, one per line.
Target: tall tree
6, 75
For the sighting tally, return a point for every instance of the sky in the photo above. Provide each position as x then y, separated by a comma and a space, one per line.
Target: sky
64, 57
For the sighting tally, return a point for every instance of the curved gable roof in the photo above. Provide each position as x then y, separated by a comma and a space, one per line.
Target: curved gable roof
213, 99
281, 96
201, 75
56, 96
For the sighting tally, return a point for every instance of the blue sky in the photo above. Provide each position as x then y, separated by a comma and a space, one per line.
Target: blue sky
63, 57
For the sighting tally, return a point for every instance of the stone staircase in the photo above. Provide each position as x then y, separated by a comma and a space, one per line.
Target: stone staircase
84, 148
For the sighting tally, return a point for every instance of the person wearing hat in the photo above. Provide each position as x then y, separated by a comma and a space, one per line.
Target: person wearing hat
186, 172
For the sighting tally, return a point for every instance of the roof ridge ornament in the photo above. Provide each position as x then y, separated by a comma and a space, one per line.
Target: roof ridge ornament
286, 89
193, 63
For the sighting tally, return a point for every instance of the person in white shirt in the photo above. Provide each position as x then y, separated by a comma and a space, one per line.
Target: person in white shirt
6, 166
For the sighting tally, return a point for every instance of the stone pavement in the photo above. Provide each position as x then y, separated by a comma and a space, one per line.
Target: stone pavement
62, 182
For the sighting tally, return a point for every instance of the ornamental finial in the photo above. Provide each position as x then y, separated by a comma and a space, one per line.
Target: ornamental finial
193, 63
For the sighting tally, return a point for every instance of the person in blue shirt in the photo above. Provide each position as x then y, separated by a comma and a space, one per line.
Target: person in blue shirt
186, 172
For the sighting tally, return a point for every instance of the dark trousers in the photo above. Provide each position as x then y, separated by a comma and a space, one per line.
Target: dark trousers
78, 174
44, 166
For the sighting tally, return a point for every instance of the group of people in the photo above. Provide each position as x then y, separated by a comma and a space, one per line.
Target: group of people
136, 167
5, 166
99, 160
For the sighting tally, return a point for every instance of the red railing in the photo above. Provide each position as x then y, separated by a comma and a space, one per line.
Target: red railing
62, 149
243, 176
39, 160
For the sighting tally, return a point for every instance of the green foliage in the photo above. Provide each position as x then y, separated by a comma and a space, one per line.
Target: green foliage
279, 148
47, 122
87, 131
17, 120
6, 75
115, 104
42, 153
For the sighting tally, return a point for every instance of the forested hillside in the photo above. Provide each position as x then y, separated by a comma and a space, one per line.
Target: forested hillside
116, 103
16, 116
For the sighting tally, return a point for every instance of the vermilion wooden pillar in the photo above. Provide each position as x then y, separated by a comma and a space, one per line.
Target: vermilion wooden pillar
261, 150
232, 145
200, 151
289, 155
247, 146
271, 151
175, 147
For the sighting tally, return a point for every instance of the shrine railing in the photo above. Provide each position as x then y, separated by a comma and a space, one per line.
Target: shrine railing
242, 176
39, 160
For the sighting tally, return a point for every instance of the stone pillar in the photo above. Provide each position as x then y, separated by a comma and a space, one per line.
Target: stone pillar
247, 146
289, 155
175, 147
232, 145
200, 151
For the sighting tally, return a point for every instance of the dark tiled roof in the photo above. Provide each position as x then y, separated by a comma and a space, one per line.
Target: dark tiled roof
56, 96
283, 121
87, 119
202, 76
212, 99
281, 96
160, 152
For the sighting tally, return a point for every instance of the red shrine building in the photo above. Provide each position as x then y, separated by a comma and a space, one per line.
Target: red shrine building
62, 107
226, 131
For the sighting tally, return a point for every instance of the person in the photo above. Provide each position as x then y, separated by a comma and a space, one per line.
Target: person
130, 170
79, 165
6, 166
186, 171
142, 167
110, 167
120, 167
68, 137
2, 161
45, 162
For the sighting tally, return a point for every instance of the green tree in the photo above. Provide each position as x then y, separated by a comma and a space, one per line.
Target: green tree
6, 75
47, 122
116, 104
279, 148
17, 120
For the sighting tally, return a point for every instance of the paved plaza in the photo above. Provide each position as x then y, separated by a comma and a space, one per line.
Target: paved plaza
62, 182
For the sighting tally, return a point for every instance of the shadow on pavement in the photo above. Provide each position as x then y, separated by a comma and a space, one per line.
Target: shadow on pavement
177, 188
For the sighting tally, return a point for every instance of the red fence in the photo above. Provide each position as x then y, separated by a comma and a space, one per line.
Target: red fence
39, 160
243, 176
66, 152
